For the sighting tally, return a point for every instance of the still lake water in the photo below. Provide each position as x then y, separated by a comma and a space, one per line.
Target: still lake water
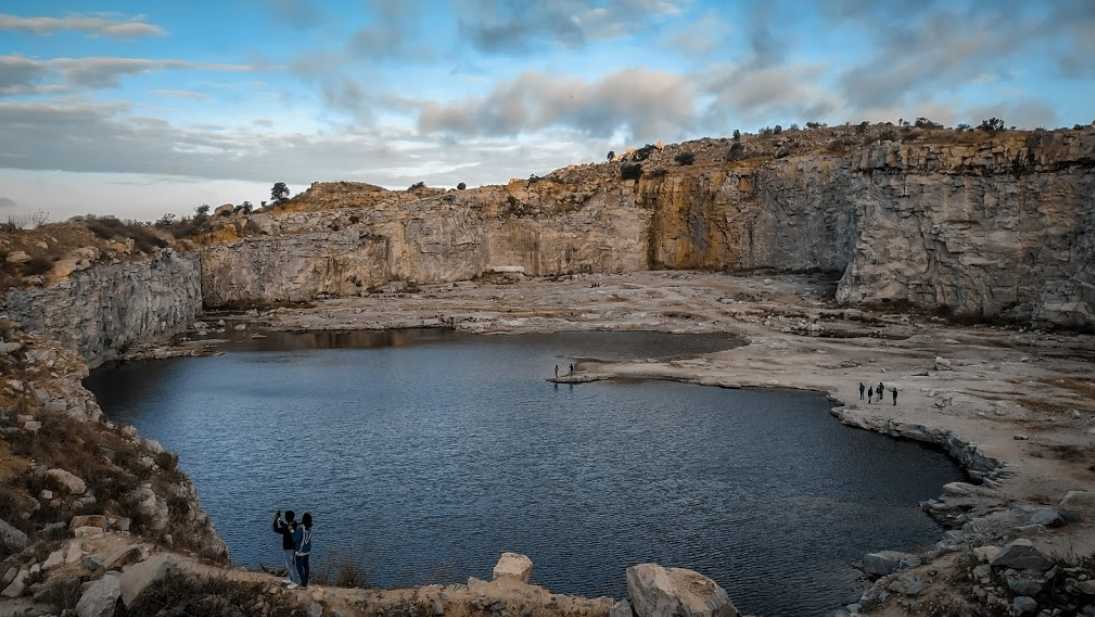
426, 453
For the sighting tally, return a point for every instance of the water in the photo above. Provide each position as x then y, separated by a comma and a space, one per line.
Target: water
426, 454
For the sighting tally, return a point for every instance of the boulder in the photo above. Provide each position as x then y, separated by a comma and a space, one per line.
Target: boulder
985, 554
11, 538
655, 591
1021, 554
883, 563
56, 558
100, 598
150, 506
67, 481
138, 577
1024, 605
122, 557
17, 585
1077, 505
907, 584
513, 566
18, 257
1025, 582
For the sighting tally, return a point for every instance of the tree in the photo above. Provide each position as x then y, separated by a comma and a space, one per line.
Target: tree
202, 210
992, 125
777, 129
279, 192
737, 135
461, 186
611, 155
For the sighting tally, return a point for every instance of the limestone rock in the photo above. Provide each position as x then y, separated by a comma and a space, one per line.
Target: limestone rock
138, 577
100, 598
11, 538
1021, 554
18, 257
621, 609
655, 591
71, 483
92, 520
1024, 605
513, 566
18, 584
150, 506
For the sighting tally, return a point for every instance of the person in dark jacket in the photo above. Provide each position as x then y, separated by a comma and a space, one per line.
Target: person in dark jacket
862, 388
302, 537
894, 396
881, 392
870, 394
285, 526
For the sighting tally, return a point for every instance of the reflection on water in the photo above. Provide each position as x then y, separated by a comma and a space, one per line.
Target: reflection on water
427, 453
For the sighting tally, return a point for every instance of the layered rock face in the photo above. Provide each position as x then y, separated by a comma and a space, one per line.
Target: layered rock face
104, 310
978, 225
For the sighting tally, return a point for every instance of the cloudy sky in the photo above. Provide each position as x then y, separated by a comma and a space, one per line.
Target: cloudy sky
141, 108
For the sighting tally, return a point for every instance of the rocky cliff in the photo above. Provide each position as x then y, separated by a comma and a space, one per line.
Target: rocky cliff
978, 225
103, 310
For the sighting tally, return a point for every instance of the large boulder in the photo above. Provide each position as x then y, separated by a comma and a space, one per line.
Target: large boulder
11, 538
1077, 505
884, 563
138, 577
17, 585
152, 508
63, 479
675, 592
513, 566
100, 598
1021, 554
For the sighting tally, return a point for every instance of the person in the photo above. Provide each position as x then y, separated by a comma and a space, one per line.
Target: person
894, 396
285, 526
571, 368
870, 394
302, 538
861, 389
557, 371
881, 392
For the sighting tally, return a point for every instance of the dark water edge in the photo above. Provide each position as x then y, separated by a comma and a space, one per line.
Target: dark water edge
425, 453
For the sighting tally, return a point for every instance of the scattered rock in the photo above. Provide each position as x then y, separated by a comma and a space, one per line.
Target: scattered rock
17, 585
985, 554
942, 364
93, 520
56, 558
1025, 583
621, 609
18, 257
1021, 554
907, 585
67, 481
150, 506
655, 591
514, 566
100, 598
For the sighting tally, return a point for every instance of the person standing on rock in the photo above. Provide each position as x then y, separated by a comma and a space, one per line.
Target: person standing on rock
870, 394
881, 391
285, 527
894, 396
572, 369
302, 538
557, 371
862, 388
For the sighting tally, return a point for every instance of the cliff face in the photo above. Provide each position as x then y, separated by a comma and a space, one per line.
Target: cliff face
105, 309
977, 225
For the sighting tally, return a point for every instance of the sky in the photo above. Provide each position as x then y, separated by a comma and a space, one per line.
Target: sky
142, 108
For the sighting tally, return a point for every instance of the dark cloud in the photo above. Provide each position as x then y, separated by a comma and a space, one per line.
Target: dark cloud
90, 24
7, 202
510, 26
644, 104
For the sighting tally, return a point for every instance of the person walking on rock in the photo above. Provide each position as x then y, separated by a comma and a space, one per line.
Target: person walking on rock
894, 396
870, 394
302, 538
285, 526
862, 388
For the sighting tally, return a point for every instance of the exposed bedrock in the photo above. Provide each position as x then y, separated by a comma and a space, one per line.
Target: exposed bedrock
1002, 228
105, 309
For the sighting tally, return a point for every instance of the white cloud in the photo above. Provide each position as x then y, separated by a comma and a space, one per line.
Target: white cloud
89, 24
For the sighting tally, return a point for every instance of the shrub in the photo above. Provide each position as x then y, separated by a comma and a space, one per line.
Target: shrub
737, 135
279, 192
339, 569
777, 129
644, 153
992, 125
416, 186
37, 265
631, 171
924, 123
685, 158
461, 186
611, 156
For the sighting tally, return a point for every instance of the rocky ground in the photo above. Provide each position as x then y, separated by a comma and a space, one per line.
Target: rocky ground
1015, 407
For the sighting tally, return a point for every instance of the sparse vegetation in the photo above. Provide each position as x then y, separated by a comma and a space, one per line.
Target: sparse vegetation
737, 135
685, 158
631, 171
992, 125
461, 186
279, 192
611, 155
737, 152
110, 228
644, 153
416, 186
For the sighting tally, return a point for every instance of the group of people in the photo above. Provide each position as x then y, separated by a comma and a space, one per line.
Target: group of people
557, 370
876, 392
296, 544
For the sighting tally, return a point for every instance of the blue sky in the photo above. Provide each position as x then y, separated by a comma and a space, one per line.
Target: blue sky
140, 108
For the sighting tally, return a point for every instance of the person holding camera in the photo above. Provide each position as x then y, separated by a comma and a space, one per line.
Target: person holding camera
286, 526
